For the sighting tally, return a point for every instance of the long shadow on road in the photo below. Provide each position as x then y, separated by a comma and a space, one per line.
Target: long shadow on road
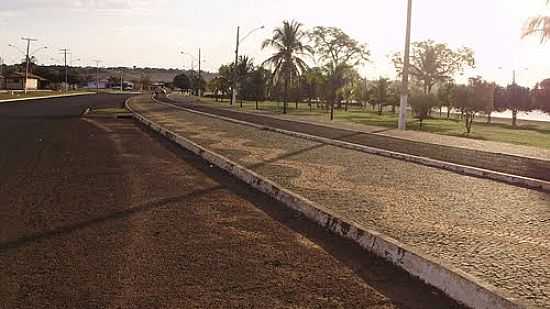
14, 244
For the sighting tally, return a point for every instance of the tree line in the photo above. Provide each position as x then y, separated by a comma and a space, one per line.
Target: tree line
333, 82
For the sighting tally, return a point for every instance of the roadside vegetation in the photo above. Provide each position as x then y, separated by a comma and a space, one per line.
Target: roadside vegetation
528, 133
318, 68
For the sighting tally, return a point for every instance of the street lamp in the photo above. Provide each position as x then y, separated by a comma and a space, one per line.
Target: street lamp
239, 41
405, 82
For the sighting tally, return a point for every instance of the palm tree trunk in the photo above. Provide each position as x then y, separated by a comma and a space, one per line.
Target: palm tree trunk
285, 102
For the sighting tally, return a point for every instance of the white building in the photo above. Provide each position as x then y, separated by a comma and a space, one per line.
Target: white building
16, 81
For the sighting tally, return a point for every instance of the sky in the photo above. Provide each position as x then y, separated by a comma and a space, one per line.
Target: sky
152, 33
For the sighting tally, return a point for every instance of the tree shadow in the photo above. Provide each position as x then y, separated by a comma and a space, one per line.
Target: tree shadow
126, 213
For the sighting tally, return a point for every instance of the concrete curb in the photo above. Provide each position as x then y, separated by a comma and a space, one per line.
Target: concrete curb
453, 282
521, 181
46, 97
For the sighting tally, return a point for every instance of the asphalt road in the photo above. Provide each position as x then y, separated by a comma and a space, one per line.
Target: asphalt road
515, 165
99, 213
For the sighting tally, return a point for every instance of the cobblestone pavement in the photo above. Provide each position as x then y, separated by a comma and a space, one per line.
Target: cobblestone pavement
497, 232
518, 160
101, 213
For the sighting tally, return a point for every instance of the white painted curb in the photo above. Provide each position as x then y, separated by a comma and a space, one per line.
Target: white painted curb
521, 181
47, 97
453, 282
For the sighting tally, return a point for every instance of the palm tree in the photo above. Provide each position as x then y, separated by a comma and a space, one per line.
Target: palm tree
538, 25
245, 66
288, 42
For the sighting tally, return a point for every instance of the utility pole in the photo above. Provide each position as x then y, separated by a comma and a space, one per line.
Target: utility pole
97, 62
234, 86
199, 72
27, 62
121, 80
65, 51
405, 81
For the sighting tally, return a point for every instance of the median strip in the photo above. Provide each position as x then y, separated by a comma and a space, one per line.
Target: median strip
453, 282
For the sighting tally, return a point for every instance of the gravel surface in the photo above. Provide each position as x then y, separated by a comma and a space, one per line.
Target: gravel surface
497, 232
99, 213
477, 154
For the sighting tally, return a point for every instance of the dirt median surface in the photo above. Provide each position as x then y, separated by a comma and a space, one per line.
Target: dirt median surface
99, 213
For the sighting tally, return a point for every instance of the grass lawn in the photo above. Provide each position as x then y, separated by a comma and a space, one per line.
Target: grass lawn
529, 133
112, 110
32, 94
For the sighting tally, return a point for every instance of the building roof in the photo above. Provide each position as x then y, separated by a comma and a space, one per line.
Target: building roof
22, 75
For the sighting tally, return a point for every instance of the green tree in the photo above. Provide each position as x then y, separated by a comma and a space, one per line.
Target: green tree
432, 62
541, 96
257, 82
516, 99
380, 93
182, 81
197, 83
288, 41
394, 95
313, 82
216, 85
245, 67
226, 77
422, 105
473, 98
339, 53
446, 96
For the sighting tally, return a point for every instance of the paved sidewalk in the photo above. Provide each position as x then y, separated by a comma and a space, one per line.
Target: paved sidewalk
507, 158
417, 136
494, 231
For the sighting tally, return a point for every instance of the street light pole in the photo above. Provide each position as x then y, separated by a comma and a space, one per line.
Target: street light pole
199, 72
27, 62
97, 62
64, 51
234, 86
405, 81
121, 80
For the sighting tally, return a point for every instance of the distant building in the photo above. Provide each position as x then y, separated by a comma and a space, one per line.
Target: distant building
16, 81
2, 82
103, 84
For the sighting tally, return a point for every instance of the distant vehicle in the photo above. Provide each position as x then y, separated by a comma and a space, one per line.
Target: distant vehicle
160, 91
